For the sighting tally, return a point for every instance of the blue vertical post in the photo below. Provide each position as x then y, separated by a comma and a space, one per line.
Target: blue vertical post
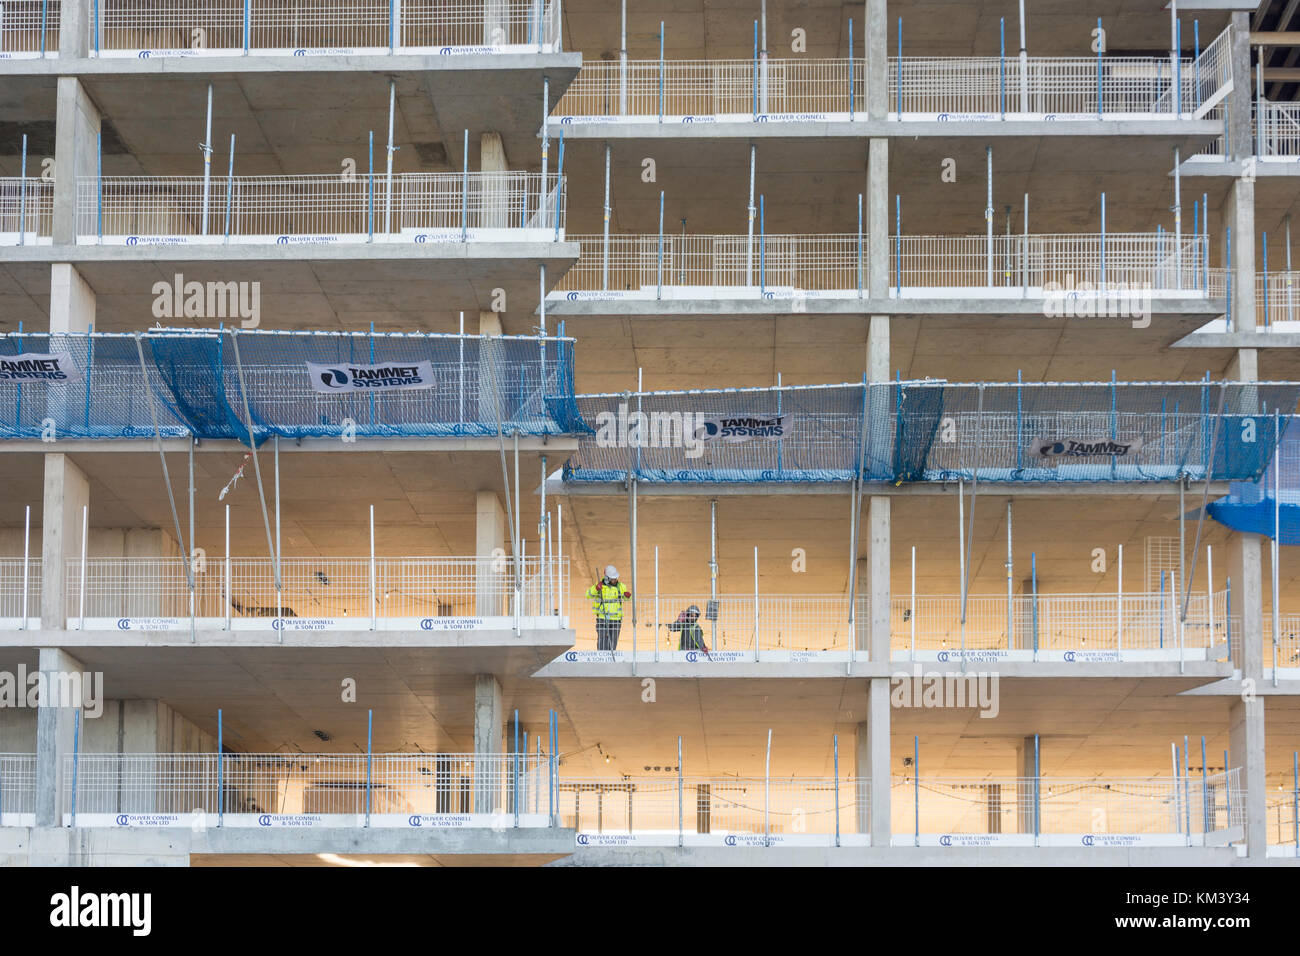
1205, 793
659, 293
762, 246
44, 11
559, 185
1161, 625
514, 784
1187, 802
392, 27
94, 24
1002, 67
370, 739
850, 80
661, 71
916, 786
1295, 798
464, 189
76, 754
1033, 606
899, 91
1265, 250
860, 257
1103, 241
90, 366
835, 746
898, 245
1100, 45
248, 24
370, 193
221, 772
99, 187
1038, 775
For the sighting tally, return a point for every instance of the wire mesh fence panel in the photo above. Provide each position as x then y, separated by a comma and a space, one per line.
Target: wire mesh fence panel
716, 806
20, 580
1281, 816
17, 785
29, 28
192, 27
1181, 807
1277, 298
1277, 129
350, 785
331, 588
424, 207
26, 209
1287, 652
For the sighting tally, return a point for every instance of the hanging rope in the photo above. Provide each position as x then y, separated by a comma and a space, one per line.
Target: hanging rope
1205, 492
239, 473
494, 391
257, 468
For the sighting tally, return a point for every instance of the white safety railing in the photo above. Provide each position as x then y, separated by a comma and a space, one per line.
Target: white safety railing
315, 27
1287, 652
165, 789
771, 264
421, 207
17, 789
752, 625
26, 210
20, 590
784, 91
1080, 623
316, 593
1047, 811
1277, 299
1283, 829
29, 28
1060, 264
731, 811
1277, 129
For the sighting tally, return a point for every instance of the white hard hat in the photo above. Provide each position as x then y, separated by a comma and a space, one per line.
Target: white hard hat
611, 572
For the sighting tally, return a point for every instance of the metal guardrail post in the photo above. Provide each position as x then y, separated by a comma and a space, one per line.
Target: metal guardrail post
221, 773
851, 69
1100, 48
899, 91
1033, 607
659, 288
835, 746
860, 250
248, 24
916, 790
661, 71
1038, 773
898, 245
464, 188
44, 12
22, 194
514, 766
767, 791
94, 24
680, 825
1119, 601
230, 187
99, 188
27, 544
1205, 794
76, 755
370, 734
374, 591
1002, 67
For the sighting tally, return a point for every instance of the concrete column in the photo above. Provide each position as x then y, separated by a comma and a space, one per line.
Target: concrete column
146, 727
75, 153
872, 762
1025, 789
1239, 216
876, 15
72, 301
1239, 142
489, 791
55, 726
67, 491
1246, 569
489, 406
1246, 751
496, 188
489, 538
74, 28
878, 210
877, 527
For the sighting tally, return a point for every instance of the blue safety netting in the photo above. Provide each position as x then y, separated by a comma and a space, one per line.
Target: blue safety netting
1249, 506
212, 384
936, 431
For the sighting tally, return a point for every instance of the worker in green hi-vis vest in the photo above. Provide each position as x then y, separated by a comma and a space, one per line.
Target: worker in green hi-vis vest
607, 596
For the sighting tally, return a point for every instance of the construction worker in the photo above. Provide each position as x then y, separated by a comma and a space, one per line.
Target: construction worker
607, 597
691, 634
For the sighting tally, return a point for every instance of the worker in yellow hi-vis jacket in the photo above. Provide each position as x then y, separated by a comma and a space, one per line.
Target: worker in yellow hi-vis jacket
607, 597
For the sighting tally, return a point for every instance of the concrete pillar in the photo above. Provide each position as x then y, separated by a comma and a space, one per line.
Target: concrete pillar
1246, 751
878, 210
875, 15
876, 524
1246, 570
489, 788
496, 187
67, 491
72, 301
490, 541
77, 126
1239, 216
74, 28
872, 763
1025, 788
489, 404
55, 727
1239, 142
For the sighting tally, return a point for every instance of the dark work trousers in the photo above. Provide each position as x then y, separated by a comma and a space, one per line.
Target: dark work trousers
607, 634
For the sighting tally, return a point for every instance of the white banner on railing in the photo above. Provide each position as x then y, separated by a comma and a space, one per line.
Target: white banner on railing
57, 368
344, 377
1083, 447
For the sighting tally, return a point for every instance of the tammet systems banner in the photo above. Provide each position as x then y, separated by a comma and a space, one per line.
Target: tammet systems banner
53, 367
369, 378
739, 428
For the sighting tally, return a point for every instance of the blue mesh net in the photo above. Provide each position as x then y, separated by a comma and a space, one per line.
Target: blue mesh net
201, 381
937, 431
1249, 506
